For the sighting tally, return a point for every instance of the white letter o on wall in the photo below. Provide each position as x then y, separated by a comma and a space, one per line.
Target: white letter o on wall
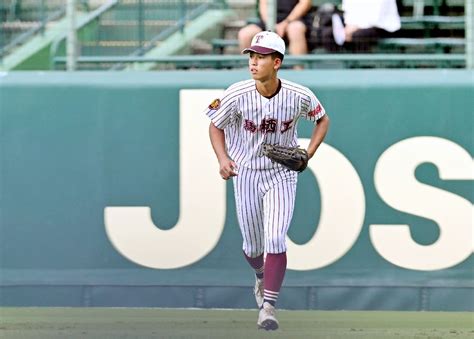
342, 211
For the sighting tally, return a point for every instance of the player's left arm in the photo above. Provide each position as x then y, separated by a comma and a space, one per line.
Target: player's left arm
319, 133
312, 110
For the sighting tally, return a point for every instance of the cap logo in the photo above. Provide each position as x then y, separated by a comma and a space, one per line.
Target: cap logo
266, 43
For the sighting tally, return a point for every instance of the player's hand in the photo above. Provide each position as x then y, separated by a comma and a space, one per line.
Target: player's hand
228, 169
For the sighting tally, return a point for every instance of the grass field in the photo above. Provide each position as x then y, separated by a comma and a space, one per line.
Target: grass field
227, 324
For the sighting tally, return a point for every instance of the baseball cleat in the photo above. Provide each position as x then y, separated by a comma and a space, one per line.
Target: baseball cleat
258, 291
266, 318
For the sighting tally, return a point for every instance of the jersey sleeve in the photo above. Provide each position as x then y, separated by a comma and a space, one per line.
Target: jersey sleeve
222, 110
311, 108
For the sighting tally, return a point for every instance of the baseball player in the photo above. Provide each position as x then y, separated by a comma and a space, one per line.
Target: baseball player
250, 114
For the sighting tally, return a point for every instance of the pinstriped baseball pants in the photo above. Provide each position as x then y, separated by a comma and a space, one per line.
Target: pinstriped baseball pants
265, 200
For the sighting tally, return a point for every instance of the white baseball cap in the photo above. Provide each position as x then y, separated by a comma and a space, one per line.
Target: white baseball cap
266, 43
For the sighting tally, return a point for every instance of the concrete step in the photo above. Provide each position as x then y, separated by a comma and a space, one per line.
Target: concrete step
19, 25
130, 31
149, 13
109, 48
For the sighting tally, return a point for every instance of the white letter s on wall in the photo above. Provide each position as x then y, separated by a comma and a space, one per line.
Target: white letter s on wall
397, 186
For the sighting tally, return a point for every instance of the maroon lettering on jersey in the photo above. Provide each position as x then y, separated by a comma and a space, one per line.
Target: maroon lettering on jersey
268, 125
285, 125
250, 126
315, 111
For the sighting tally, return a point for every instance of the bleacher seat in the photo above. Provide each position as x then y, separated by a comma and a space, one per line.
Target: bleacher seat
422, 45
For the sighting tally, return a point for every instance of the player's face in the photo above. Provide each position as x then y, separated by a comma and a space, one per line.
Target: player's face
262, 67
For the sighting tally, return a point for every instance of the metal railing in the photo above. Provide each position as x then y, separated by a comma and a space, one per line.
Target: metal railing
21, 23
133, 27
310, 61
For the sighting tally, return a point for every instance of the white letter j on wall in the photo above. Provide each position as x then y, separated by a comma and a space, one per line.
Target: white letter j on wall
202, 201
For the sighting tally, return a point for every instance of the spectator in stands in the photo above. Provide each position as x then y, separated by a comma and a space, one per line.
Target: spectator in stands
363, 22
293, 24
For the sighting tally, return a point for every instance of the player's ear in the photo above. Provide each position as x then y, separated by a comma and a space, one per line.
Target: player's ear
276, 63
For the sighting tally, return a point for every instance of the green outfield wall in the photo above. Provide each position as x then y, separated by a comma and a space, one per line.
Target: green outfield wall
110, 193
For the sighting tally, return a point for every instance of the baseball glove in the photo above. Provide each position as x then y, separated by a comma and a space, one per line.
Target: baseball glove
293, 158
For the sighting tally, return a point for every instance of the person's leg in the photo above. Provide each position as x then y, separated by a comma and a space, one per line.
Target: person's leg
364, 39
297, 43
279, 202
327, 40
257, 264
246, 34
296, 33
275, 268
249, 208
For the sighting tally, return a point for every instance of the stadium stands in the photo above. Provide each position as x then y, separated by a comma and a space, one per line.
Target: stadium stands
130, 28
415, 28
134, 27
124, 27
32, 49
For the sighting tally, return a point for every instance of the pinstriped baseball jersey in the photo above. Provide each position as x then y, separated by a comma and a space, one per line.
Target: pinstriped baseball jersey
265, 191
250, 119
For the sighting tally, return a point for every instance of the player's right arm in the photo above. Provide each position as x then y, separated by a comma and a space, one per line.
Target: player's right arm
222, 114
227, 168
